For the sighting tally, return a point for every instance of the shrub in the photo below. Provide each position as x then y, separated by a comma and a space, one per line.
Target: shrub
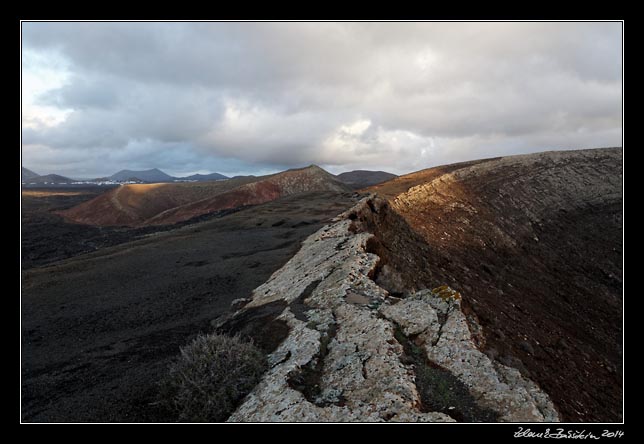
211, 375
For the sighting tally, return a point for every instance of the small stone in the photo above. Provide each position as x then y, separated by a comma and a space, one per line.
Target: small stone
413, 316
526, 347
239, 303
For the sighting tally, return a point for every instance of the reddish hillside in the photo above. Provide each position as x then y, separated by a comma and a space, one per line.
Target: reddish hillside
133, 204
534, 244
168, 203
263, 190
400, 184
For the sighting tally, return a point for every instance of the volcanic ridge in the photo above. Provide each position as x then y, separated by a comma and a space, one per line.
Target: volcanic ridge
481, 291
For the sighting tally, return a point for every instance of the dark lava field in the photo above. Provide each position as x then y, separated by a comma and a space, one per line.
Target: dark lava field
103, 314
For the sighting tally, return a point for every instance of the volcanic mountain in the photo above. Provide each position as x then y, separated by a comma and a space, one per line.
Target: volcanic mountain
168, 203
534, 243
50, 179
28, 174
204, 177
362, 178
153, 175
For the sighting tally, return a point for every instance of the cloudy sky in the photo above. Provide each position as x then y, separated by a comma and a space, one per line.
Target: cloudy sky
240, 98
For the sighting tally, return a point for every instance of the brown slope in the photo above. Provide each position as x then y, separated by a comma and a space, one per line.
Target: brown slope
265, 189
400, 184
132, 204
164, 203
534, 243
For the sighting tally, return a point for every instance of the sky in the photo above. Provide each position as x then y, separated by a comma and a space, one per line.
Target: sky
257, 98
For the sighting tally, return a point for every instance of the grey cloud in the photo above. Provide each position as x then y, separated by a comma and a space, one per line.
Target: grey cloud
135, 112
84, 93
278, 94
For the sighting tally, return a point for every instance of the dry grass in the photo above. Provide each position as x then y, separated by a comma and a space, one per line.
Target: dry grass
210, 377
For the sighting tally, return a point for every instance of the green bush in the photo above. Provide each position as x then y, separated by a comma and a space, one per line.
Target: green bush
212, 374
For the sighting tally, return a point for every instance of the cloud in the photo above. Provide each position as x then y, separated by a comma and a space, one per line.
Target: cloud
264, 96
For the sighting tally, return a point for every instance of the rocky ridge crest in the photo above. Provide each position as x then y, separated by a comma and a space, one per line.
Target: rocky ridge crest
355, 352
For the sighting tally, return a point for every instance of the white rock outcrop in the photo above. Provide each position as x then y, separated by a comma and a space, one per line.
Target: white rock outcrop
341, 360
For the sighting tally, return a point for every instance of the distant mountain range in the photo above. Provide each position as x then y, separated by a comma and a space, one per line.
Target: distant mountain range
204, 177
354, 179
29, 177
51, 179
362, 178
154, 175
28, 174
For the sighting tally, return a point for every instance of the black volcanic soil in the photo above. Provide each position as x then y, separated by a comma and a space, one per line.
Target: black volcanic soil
534, 245
47, 237
99, 329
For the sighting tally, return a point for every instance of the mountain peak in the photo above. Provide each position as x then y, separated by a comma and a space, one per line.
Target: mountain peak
205, 177
151, 175
364, 178
28, 174
311, 167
